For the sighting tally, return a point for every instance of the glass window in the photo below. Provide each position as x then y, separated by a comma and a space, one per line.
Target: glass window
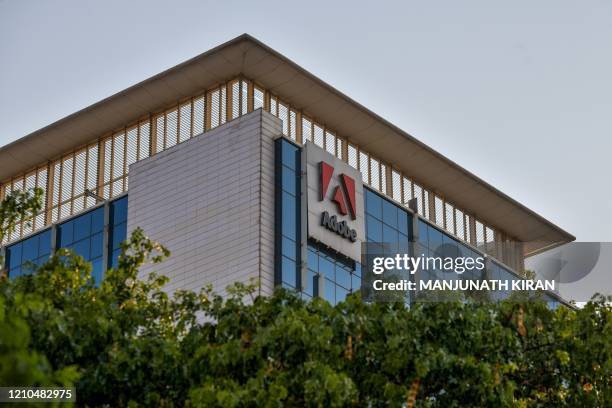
44, 243
82, 227
390, 235
343, 277
326, 267
289, 181
97, 271
83, 234
402, 221
82, 248
389, 213
355, 283
329, 292
26, 256
97, 246
313, 260
289, 271
373, 204
119, 211
289, 248
65, 237
14, 255
29, 249
423, 234
290, 155
289, 218
310, 283
373, 229
119, 235
97, 220
341, 294
434, 238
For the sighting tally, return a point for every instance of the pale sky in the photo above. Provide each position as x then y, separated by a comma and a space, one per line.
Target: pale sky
519, 93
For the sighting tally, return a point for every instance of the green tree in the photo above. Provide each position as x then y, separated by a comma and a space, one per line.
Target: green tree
127, 342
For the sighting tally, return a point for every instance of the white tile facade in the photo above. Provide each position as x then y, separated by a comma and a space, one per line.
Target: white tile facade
210, 200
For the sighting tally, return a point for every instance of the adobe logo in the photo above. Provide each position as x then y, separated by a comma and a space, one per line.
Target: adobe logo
343, 197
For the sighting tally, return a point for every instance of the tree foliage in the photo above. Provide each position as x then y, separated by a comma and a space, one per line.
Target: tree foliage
127, 342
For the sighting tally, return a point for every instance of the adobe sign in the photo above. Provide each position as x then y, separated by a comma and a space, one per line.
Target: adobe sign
335, 202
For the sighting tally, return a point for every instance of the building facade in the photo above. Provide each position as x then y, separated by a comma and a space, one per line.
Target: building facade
233, 160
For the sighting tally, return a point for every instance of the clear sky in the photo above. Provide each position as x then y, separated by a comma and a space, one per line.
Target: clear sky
518, 92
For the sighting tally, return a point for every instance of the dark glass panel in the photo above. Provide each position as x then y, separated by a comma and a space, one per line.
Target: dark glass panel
65, 237
289, 181
329, 292
389, 213
343, 277
97, 246
44, 243
289, 248
289, 218
373, 204
289, 271
14, 255
373, 229
97, 220
402, 221
290, 156
326, 267
82, 226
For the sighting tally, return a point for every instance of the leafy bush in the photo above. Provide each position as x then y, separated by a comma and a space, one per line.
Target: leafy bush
127, 343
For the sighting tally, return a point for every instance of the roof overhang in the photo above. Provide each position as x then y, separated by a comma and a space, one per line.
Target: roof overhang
247, 56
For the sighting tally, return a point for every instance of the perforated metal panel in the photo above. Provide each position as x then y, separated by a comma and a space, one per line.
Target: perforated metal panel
352, 156
439, 206
396, 181
102, 166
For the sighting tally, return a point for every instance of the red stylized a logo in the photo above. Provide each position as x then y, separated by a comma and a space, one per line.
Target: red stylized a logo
326, 172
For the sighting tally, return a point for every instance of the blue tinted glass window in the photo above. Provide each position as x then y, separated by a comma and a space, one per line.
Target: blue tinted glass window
341, 294
343, 277
82, 227
65, 237
15, 272
119, 211
44, 243
373, 229
289, 181
114, 261
435, 238
29, 249
290, 153
97, 271
289, 248
97, 245
14, 255
390, 234
310, 283
119, 235
289, 271
373, 204
402, 221
355, 283
329, 292
389, 213
289, 218
326, 267
313, 260
97, 220
423, 234
82, 248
